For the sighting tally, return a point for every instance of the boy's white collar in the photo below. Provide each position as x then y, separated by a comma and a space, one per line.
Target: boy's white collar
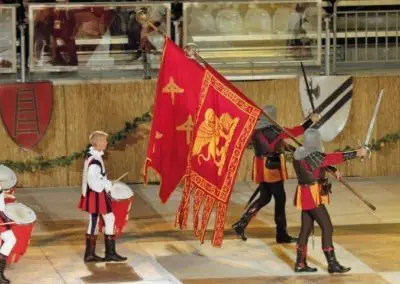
94, 152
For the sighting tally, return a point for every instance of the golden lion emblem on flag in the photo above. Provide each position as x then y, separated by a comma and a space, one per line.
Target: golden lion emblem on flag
212, 132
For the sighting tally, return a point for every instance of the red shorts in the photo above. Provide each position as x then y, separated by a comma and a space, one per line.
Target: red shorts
308, 197
95, 202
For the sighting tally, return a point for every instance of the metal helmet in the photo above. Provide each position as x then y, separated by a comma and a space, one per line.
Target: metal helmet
263, 120
312, 143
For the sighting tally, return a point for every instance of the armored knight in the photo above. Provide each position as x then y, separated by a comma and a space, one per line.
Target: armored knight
269, 171
310, 164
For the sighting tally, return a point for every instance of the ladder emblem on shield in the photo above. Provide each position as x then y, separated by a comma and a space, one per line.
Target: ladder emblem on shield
26, 116
26, 110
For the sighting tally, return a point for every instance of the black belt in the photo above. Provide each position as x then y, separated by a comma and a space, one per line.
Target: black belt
308, 184
271, 156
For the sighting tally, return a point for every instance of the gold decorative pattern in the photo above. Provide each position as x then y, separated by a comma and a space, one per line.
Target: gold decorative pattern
187, 126
173, 89
252, 111
157, 137
215, 196
198, 201
210, 134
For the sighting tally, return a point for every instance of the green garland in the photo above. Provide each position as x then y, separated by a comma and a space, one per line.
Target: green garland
40, 163
377, 145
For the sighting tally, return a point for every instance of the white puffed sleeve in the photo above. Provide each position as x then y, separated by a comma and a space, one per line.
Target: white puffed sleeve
96, 181
2, 204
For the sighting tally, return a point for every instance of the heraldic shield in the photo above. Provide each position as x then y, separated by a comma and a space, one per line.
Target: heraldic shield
26, 110
332, 96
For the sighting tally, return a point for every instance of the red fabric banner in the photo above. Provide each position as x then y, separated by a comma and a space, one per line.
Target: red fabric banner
224, 123
178, 89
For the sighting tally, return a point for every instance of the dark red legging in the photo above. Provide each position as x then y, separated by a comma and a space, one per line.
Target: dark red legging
321, 216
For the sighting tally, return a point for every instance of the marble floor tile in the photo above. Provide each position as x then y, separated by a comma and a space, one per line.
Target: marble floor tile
159, 253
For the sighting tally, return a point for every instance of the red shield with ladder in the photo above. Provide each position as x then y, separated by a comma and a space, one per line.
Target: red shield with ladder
26, 110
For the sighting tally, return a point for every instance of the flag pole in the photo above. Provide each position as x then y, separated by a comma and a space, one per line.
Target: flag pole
191, 51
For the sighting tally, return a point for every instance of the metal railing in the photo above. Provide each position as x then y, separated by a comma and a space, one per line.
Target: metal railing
366, 36
254, 38
92, 36
264, 42
8, 39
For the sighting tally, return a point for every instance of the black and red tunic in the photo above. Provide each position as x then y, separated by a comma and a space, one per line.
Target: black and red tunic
269, 162
95, 202
310, 173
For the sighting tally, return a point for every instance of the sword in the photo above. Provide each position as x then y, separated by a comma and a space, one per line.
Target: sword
371, 125
330, 171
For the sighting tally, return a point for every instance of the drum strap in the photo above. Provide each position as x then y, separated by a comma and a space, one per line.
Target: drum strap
97, 162
5, 219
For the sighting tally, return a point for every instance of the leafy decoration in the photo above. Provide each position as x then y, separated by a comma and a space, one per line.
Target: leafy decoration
41, 163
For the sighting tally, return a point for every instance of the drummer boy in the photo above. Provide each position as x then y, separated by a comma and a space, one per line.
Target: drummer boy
8, 180
96, 200
8, 238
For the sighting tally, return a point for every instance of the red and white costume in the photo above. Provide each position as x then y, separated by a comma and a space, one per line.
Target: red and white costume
96, 201
95, 197
6, 235
8, 239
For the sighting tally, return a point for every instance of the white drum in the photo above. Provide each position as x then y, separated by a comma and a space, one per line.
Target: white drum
8, 178
121, 191
20, 213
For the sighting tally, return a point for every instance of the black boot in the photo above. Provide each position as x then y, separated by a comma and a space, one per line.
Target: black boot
282, 237
90, 255
241, 225
301, 260
3, 263
239, 228
111, 254
333, 265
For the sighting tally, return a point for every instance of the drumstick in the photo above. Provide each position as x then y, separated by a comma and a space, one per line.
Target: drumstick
9, 223
121, 177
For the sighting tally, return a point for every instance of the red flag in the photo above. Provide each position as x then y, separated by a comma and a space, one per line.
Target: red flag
224, 123
176, 102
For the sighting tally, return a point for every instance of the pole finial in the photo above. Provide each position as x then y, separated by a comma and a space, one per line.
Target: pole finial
191, 49
142, 16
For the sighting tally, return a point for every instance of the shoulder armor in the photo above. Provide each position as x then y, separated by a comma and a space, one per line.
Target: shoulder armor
271, 132
315, 159
349, 155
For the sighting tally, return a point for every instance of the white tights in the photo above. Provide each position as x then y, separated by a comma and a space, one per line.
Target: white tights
109, 220
9, 241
